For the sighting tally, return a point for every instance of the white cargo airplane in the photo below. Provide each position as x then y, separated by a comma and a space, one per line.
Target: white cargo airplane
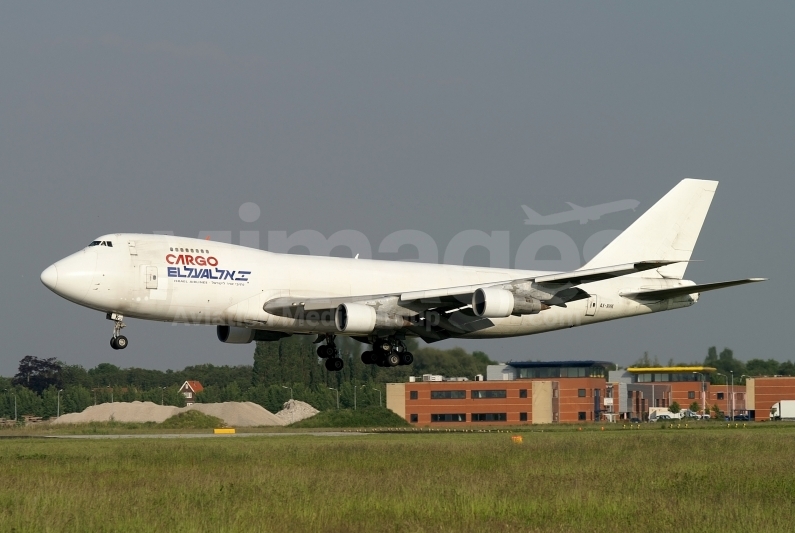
253, 295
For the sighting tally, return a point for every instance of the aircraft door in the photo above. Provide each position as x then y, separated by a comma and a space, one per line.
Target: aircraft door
151, 277
593, 303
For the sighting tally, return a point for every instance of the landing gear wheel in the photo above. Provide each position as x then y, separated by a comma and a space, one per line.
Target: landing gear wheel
117, 342
393, 359
334, 364
328, 350
406, 358
324, 351
367, 357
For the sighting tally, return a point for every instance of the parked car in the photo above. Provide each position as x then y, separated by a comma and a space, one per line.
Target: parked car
634, 420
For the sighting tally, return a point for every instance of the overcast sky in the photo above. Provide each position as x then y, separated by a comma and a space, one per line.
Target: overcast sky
378, 117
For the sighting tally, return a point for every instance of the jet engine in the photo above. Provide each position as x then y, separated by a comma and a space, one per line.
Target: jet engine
492, 303
500, 303
360, 318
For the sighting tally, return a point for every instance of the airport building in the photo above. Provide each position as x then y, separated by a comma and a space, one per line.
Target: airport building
638, 389
536, 392
514, 393
763, 392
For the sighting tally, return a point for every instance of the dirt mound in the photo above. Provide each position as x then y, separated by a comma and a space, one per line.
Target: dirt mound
294, 410
121, 412
234, 414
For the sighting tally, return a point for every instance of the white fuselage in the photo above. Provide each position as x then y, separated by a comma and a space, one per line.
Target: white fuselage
175, 279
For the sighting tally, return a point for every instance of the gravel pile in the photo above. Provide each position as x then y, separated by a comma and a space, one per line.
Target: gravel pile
234, 414
121, 412
293, 411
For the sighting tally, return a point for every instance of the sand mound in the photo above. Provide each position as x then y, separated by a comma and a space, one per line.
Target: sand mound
121, 412
293, 411
234, 414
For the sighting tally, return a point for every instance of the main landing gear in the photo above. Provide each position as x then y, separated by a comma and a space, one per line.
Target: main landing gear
118, 341
387, 353
329, 352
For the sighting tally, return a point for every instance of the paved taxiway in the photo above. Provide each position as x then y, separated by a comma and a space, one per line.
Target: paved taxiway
204, 435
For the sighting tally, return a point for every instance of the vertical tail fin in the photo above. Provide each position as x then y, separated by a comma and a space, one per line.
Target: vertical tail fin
667, 231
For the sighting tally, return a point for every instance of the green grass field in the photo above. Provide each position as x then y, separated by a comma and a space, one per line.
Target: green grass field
654, 480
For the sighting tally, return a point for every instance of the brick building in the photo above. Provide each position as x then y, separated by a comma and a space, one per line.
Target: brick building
534, 392
516, 393
637, 389
763, 392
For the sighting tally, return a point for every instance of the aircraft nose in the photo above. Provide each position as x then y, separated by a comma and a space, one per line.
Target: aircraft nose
50, 277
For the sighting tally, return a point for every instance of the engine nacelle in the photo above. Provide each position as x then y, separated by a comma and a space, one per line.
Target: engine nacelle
500, 303
236, 335
492, 303
360, 318
354, 318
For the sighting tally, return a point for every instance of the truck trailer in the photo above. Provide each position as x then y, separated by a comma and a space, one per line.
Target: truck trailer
783, 410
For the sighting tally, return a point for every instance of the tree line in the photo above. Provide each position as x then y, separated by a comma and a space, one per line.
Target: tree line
280, 370
727, 364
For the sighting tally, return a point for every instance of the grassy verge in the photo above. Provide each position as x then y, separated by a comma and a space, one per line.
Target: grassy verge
654, 480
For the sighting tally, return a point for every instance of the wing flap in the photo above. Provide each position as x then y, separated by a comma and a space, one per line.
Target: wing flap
673, 292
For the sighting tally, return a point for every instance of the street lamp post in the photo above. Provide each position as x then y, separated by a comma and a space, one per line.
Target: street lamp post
354, 395
338, 396
291, 390
59, 403
379, 397
111, 393
732, 394
162, 395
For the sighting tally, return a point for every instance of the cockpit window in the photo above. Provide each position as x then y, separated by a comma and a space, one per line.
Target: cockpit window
110, 244
94, 243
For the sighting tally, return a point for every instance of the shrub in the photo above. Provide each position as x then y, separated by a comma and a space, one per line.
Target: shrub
192, 420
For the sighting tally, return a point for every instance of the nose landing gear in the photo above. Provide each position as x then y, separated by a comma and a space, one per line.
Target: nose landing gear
118, 341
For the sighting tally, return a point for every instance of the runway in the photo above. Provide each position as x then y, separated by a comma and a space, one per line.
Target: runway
205, 435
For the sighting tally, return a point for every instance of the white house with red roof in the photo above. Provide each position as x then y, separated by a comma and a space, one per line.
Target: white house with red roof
189, 390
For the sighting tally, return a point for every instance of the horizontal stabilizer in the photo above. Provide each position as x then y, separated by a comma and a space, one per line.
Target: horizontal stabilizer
673, 292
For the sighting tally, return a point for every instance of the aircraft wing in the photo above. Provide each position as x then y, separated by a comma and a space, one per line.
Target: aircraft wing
447, 298
569, 279
440, 313
673, 292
